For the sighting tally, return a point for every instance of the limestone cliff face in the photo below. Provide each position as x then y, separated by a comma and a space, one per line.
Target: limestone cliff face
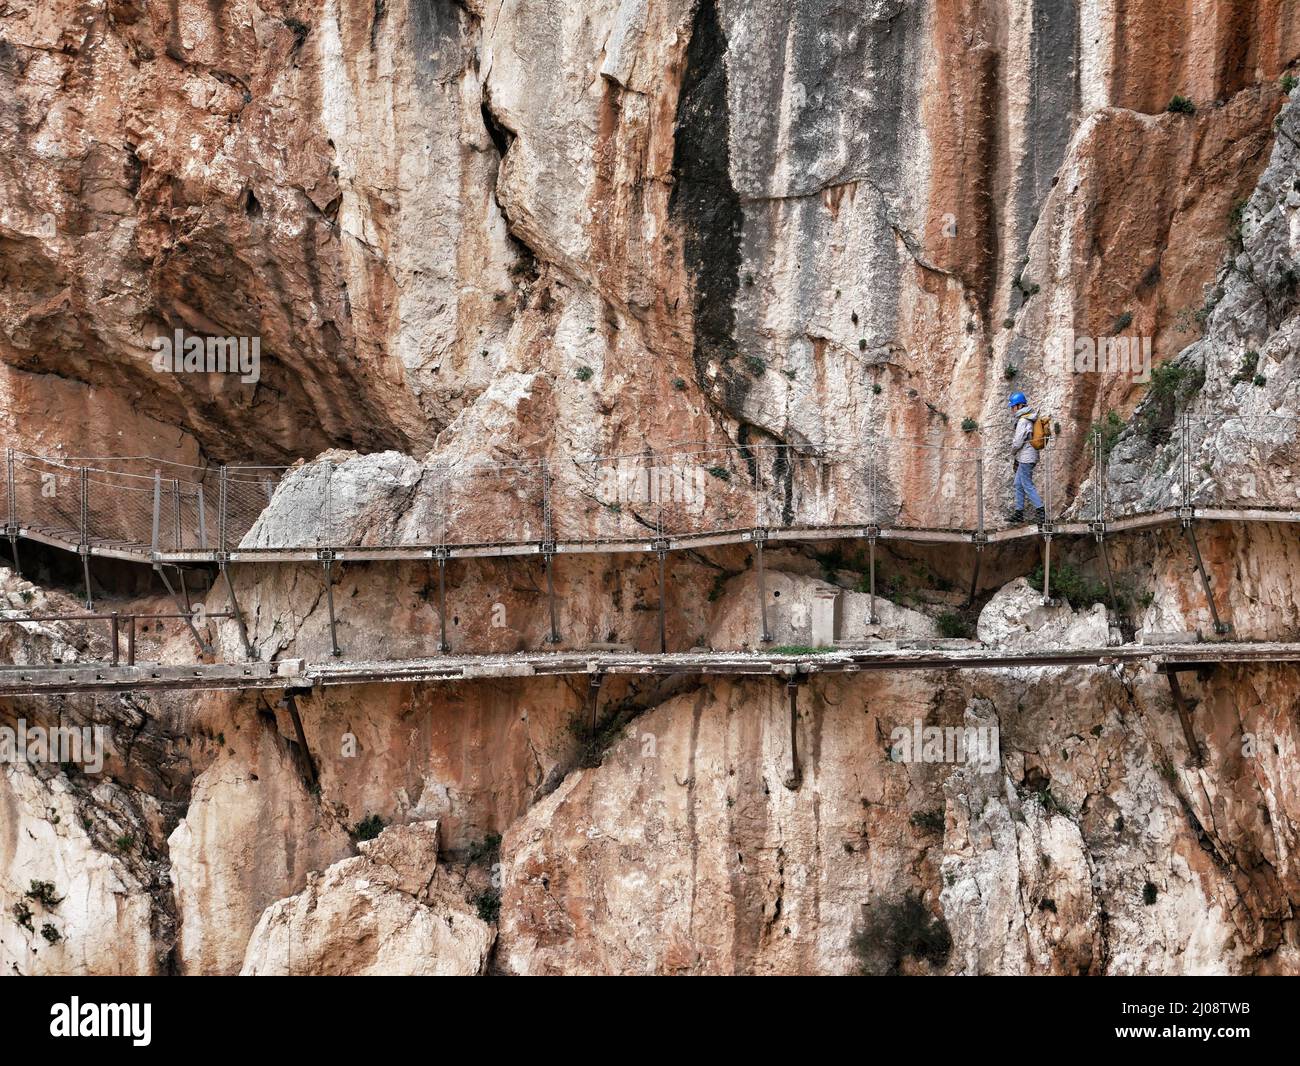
538, 228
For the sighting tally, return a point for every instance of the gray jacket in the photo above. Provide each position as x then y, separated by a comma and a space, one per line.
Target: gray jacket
1021, 450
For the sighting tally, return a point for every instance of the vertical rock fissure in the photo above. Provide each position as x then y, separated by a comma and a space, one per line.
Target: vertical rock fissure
704, 202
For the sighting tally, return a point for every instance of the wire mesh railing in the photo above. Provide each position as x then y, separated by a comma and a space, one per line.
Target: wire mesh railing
394, 501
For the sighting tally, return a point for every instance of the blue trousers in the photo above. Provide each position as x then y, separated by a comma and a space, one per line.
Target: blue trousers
1025, 486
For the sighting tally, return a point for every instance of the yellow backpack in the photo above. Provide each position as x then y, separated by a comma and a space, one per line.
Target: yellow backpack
1042, 430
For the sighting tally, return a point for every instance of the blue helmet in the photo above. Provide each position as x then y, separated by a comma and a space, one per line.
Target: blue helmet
1016, 399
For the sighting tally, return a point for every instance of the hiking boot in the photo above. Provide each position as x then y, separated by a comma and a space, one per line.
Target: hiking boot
1040, 515
1016, 518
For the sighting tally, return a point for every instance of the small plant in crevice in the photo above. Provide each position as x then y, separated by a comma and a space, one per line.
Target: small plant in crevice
124, 842
1070, 584
1288, 83
1050, 803
720, 472
1172, 386
1108, 430
719, 586
895, 932
679, 384
1121, 323
44, 893
1181, 105
928, 821
953, 625
755, 365
488, 906
1237, 225
969, 425
23, 916
50, 933
484, 852
584, 373
1149, 894
1010, 372
1246, 371
368, 828
1212, 299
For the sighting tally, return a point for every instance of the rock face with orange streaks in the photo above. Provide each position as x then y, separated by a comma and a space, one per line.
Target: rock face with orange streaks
469, 237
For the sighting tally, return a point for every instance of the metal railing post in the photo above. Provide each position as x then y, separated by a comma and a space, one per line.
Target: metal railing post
223, 510
1096, 475
872, 618
13, 510
157, 508
325, 536
203, 521
548, 557
979, 524
85, 507
1047, 569
9, 475
178, 536
443, 646
84, 547
1047, 479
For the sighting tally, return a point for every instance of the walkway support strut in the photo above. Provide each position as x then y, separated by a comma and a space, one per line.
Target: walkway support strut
795, 776
1220, 627
441, 555
327, 563
1184, 715
663, 596
204, 647
291, 705
234, 609
759, 539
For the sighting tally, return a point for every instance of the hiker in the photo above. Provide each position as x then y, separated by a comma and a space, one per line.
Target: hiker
1025, 455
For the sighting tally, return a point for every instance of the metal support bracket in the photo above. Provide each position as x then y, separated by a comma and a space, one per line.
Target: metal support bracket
291, 705
975, 575
234, 609
204, 647
795, 777
1220, 627
759, 539
441, 555
1184, 715
1047, 568
662, 553
1110, 577
873, 535
548, 557
593, 697
326, 557
84, 551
